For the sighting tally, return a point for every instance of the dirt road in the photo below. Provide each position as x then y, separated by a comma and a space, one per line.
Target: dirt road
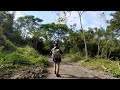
73, 71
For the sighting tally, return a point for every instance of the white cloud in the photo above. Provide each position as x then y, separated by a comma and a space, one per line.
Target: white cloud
18, 14
90, 19
74, 18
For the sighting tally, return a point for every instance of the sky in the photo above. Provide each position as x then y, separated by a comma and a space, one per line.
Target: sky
89, 19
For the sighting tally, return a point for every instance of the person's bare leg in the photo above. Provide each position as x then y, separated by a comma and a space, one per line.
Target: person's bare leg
58, 66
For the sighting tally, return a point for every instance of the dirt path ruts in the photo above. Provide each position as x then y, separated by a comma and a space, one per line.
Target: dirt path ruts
73, 71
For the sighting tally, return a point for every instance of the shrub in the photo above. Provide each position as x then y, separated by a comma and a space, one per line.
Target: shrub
16, 58
116, 73
28, 51
10, 66
9, 47
1, 51
104, 65
21, 57
74, 57
40, 59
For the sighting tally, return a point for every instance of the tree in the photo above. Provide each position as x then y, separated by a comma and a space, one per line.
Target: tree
115, 21
80, 13
55, 31
113, 34
6, 22
62, 17
28, 25
99, 33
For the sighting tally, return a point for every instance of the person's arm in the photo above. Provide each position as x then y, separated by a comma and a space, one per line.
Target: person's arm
51, 51
61, 51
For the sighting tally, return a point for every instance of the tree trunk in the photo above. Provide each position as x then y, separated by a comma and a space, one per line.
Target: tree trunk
102, 52
107, 48
109, 54
80, 14
98, 47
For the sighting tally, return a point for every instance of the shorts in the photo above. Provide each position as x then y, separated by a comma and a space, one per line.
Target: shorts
57, 59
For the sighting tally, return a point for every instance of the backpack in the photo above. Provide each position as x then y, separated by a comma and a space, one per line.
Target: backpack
56, 53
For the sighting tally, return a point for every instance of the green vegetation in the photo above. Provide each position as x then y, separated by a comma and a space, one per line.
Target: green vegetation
74, 57
21, 57
102, 64
95, 64
26, 41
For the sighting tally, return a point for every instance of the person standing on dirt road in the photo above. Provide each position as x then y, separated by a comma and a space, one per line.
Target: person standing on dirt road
56, 56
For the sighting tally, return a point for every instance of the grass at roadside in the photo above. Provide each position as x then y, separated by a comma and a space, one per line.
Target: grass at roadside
102, 64
95, 64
